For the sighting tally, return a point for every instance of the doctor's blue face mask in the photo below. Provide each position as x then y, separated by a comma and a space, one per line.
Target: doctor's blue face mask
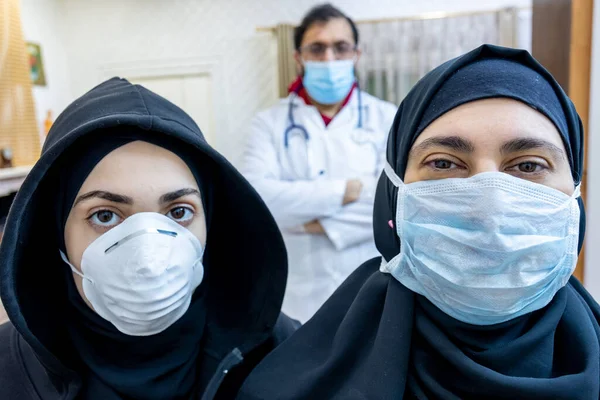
484, 249
328, 82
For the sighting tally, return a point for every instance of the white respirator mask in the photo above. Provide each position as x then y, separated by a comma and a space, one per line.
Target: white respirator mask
141, 274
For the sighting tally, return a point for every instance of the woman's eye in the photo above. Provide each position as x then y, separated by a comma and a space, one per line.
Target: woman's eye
529, 167
105, 218
442, 164
180, 214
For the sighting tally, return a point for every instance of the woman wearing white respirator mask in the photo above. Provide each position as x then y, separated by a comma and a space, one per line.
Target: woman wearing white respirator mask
138, 295
479, 221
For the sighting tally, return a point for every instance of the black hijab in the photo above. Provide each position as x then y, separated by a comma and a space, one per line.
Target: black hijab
375, 339
115, 365
487, 72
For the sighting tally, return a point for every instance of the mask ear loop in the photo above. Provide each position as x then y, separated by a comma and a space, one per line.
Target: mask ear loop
577, 192
66, 260
385, 265
392, 176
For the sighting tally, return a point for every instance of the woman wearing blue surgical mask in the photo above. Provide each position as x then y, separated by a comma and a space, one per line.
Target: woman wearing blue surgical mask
479, 221
315, 158
137, 263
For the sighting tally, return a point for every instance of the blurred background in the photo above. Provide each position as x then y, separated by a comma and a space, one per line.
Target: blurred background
219, 60
223, 61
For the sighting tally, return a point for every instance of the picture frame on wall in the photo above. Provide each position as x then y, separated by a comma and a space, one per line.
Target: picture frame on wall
36, 65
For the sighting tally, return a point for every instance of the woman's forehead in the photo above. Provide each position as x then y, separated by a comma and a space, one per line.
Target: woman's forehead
140, 163
493, 121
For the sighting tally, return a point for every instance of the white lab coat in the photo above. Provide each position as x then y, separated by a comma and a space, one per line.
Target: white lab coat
318, 264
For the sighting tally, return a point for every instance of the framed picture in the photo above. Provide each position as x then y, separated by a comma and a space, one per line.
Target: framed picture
36, 66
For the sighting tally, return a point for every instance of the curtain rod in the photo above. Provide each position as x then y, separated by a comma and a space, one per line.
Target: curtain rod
420, 17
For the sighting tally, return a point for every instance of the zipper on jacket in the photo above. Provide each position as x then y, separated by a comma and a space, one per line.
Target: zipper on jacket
231, 360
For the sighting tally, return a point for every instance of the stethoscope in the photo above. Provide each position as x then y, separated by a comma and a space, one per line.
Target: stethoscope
297, 129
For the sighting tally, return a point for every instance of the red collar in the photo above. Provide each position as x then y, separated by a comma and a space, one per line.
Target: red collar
298, 88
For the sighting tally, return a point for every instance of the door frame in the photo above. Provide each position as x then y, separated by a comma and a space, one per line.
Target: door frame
155, 69
562, 42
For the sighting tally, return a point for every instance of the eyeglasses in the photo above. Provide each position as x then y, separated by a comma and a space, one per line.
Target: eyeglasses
341, 50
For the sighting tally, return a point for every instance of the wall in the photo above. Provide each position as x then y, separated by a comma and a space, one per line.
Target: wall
43, 23
592, 250
103, 35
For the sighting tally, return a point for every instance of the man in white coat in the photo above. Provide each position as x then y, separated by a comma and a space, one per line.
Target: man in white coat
315, 158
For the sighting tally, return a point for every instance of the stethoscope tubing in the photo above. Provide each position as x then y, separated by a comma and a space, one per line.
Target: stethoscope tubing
292, 125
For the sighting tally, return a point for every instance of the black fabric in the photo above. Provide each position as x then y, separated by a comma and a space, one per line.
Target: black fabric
492, 78
375, 339
245, 252
116, 366
75, 170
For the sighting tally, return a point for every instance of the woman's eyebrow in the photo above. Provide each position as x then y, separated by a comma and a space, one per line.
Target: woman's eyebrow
524, 144
102, 194
455, 143
172, 196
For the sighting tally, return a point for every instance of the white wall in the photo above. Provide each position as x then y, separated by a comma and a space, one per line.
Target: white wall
592, 252
42, 23
102, 35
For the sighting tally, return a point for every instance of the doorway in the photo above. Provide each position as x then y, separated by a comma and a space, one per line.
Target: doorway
191, 93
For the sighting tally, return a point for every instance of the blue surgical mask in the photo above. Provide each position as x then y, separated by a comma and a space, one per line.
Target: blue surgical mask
485, 249
328, 82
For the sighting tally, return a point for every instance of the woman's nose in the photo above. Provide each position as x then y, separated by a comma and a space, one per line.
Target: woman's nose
486, 165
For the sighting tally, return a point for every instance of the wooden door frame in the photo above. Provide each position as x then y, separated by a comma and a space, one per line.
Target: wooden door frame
562, 42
